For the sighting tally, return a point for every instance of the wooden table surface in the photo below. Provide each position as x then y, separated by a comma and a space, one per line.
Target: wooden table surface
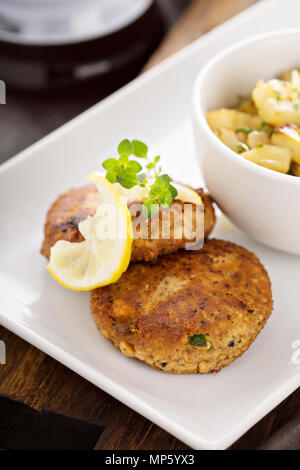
34, 378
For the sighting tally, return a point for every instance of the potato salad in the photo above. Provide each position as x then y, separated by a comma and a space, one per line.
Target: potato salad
265, 128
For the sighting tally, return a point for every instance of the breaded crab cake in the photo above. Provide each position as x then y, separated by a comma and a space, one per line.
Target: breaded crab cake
77, 204
188, 312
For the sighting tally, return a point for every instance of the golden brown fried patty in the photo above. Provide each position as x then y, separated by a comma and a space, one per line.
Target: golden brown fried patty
77, 204
188, 312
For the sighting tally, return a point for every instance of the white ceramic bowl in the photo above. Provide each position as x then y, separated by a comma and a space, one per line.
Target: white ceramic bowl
262, 202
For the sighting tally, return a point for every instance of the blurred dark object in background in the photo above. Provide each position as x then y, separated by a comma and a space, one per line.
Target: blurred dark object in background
58, 43
171, 9
27, 116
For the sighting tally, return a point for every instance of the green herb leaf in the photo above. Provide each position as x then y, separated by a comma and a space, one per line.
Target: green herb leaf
110, 163
123, 160
200, 340
150, 208
296, 106
173, 191
165, 198
150, 166
126, 179
164, 179
135, 166
140, 149
156, 159
245, 130
260, 145
111, 176
125, 148
163, 191
155, 191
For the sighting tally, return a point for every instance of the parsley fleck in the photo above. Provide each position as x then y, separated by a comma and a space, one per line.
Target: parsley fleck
200, 340
242, 148
260, 145
263, 127
245, 130
278, 95
266, 128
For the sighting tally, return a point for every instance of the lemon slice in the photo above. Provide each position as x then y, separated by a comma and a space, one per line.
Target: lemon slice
105, 253
186, 194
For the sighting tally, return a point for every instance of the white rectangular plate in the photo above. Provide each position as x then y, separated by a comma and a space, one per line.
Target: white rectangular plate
204, 411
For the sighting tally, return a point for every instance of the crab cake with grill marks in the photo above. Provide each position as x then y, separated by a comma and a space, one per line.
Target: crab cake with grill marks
188, 312
77, 204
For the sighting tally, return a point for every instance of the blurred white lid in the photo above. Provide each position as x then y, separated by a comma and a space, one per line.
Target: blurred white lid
65, 21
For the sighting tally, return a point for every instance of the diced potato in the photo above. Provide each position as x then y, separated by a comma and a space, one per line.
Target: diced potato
273, 89
279, 113
288, 136
295, 168
277, 102
232, 119
242, 137
246, 105
269, 156
260, 94
295, 80
292, 76
229, 138
265, 128
256, 138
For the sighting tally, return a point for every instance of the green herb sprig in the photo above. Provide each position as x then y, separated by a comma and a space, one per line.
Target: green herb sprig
130, 173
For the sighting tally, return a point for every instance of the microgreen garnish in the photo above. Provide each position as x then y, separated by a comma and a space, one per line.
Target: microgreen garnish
260, 145
245, 130
278, 95
242, 148
200, 340
296, 106
129, 173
